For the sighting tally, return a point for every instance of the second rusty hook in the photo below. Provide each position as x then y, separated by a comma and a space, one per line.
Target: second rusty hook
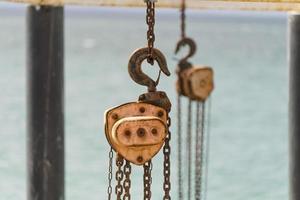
183, 63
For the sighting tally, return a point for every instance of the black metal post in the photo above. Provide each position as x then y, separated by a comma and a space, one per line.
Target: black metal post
294, 105
45, 71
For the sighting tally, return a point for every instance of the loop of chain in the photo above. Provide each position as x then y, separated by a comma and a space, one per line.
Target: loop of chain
127, 181
119, 177
206, 131
198, 159
147, 180
110, 175
199, 150
167, 168
202, 131
179, 148
189, 148
150, 19
182, 19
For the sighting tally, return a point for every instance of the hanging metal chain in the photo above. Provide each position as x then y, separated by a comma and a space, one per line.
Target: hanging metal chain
189, 148
182, 18
198, 167
127, 181
150, 20
147, 180
167, 167
207, 148
179, 148
110, 175
119, 177
200, 121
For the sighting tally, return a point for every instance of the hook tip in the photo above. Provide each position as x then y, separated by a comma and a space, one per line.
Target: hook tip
168, 73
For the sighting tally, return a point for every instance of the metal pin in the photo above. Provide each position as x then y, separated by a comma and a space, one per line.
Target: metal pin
140, 159
154, 131
160, 114
128, 133
115, 116
142, 109
141, 132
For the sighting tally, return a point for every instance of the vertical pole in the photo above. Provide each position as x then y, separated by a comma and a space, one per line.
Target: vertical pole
45, 81
294, 104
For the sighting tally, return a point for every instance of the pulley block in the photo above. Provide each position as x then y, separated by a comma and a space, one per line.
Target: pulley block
136, 131
195, 83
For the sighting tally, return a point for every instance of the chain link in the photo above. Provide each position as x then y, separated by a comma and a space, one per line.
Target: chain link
119, 177
147, 180
183, 18
179, 148
167, 167
198, 168
127, 181
189, 148
200, 120
207, 146
202, 131
110, 175
150, 20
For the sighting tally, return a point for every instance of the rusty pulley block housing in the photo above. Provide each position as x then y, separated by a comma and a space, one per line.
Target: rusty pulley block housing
136, 130
195, 83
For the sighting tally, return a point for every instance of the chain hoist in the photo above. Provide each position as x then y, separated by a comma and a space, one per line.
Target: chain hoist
195, 83
137, 131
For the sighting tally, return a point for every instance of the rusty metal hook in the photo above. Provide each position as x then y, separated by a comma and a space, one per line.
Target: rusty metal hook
183, 63
135, 67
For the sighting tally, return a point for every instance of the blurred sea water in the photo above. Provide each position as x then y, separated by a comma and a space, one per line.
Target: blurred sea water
249, 133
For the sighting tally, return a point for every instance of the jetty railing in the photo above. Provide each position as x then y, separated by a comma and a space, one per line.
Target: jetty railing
280, 5
45, 86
